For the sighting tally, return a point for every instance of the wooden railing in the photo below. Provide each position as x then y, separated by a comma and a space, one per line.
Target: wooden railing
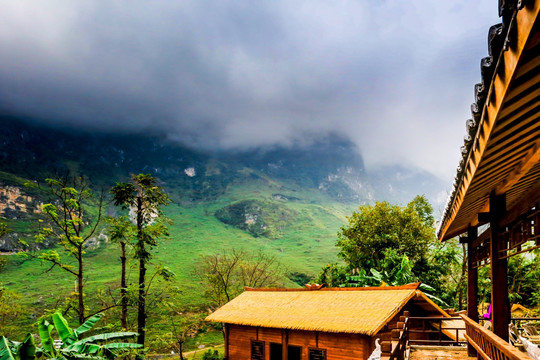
435, 329
396, 348
488, 345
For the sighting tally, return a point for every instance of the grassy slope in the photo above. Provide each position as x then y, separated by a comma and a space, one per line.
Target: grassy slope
304, 245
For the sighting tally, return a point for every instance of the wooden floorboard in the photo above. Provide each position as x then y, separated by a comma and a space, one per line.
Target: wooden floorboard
438, 354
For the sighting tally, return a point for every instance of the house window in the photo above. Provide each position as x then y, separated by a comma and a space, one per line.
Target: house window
294, 352
276, 351
317, 354
257, 350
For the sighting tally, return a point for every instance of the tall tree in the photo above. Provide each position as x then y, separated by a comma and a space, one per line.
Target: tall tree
144, 198
120, 231
70, 222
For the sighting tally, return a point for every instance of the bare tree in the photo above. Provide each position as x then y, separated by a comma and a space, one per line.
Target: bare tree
226, 274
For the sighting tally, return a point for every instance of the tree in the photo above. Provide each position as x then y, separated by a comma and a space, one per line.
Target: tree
144, 198
391, 244
69, 221
373, 229
3, 231
120, 231
184, 325
227, 274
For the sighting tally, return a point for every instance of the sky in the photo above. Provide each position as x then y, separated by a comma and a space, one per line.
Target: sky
395, 77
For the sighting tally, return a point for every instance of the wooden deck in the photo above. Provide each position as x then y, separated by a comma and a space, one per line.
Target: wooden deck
438, 353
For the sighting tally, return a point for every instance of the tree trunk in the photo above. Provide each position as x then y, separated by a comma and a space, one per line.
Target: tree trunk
80, 286
141, 306
181, 350
123, 288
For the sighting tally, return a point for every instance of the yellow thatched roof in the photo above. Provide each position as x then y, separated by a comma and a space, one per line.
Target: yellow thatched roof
351, 310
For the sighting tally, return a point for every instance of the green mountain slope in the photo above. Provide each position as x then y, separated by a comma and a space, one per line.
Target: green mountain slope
300, 197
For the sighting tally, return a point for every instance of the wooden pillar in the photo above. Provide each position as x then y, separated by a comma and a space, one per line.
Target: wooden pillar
472, 283
226, 333
500, 306
285, 342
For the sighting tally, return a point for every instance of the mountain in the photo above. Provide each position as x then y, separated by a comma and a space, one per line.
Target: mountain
330, 170
288, 202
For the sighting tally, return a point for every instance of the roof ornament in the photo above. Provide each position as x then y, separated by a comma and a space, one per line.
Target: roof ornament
495, 40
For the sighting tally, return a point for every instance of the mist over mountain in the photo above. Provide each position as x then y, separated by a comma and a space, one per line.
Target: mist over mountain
331, 165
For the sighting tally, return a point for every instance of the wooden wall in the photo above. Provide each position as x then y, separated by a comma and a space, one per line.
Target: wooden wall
338, 346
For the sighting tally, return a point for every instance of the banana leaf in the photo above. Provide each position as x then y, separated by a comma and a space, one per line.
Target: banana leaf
27, 349
107, 337
44, 329
63, 329
121, 346
83, 348
5, 350
88, 324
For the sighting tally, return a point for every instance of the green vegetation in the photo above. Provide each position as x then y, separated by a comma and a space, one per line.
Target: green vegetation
145, 198
70, 224
258, 218
396, 245
226, 274
71, 345
305, 242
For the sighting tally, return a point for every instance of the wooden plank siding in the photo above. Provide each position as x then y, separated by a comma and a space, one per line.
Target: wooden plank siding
338, 346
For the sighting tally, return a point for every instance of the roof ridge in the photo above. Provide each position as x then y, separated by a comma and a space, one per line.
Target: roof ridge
412, 286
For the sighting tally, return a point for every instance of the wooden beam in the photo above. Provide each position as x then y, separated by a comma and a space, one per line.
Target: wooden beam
500, 305
472, 283
484, 217
529, 160
498, 91
522, 206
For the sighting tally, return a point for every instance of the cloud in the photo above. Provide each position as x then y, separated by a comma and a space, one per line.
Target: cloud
396, 77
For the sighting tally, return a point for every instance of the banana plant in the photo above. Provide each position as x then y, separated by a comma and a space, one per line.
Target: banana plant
12, 350
70, 346
73, 347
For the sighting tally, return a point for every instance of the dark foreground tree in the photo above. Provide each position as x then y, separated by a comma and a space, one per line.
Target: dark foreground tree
70, 222
144, 198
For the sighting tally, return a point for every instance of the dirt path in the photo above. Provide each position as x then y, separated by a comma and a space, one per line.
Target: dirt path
186, 354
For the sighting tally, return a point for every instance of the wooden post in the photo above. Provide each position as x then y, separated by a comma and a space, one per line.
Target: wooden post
226, 333
500, 307
472, 283
285, 352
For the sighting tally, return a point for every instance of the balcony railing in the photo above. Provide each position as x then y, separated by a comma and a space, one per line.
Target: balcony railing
488, 345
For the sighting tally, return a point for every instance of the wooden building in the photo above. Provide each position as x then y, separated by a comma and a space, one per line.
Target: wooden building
495, 203
316, 324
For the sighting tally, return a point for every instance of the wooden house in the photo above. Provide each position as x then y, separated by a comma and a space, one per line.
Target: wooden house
316, 324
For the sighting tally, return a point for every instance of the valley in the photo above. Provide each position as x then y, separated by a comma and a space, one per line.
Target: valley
288, 203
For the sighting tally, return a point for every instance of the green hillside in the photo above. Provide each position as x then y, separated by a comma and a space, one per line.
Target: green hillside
304, 224
288, 203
